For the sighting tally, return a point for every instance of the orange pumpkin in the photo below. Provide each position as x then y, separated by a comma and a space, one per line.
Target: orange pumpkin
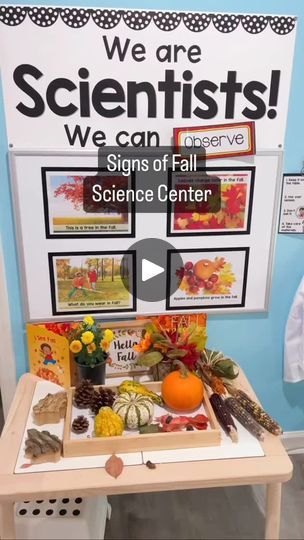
182, 391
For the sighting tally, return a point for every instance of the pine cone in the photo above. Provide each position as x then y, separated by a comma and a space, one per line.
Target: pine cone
103, 397
83, 394
80, 425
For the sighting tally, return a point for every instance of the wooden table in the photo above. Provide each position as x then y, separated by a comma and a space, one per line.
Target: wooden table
272, 469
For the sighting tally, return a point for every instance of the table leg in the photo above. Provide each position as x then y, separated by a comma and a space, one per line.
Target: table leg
7, 521
273, 511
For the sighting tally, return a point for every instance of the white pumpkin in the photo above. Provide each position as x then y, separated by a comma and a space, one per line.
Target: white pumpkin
135, 410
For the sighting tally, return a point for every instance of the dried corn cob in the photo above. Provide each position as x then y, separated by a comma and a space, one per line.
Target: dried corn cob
258, 413
244, 418
224, 417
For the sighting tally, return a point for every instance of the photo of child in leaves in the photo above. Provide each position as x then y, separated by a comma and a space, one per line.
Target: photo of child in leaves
84, 281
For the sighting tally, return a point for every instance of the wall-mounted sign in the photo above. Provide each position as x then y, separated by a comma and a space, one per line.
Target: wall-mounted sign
128, 77
292, 204
225, 140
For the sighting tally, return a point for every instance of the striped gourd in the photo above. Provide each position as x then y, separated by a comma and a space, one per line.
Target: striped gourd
134, 409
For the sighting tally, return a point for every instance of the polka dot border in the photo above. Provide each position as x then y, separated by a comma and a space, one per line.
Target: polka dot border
12, 15
196, 22
282, 25
226, 23
43, 16
74, 17
254, 24
166, 21
137, 20
106, 18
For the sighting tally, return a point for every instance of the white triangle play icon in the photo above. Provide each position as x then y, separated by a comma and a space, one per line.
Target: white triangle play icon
150, 269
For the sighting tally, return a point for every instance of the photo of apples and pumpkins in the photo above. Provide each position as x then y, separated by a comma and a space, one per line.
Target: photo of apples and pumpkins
209, 277
212, 276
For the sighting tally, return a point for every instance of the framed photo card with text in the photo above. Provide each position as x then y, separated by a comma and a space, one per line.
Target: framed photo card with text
68, 208
97, 282
227, 211
209, 278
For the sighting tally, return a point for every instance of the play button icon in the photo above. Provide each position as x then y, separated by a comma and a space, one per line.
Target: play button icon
151, 279
149, 270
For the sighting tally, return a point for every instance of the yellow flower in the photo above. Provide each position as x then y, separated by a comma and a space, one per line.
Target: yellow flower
104, 345
108, 335
75, 346
91, 348
87, 337
89, 321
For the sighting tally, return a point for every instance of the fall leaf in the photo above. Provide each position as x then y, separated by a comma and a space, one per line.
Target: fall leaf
114, 466
149, 359
204, 218
182, 223
234, 200
226, 275
233, 222
183, 286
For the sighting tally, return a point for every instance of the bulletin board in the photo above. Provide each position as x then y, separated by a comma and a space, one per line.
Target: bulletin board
239, 254
129, 78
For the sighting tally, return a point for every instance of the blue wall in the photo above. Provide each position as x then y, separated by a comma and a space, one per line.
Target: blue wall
255, 341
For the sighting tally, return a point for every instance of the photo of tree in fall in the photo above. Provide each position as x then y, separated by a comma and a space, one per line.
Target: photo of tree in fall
69, 212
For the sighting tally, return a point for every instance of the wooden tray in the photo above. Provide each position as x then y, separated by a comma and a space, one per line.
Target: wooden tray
134, 443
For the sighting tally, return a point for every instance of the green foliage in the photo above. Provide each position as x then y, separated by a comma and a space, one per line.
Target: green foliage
150, 359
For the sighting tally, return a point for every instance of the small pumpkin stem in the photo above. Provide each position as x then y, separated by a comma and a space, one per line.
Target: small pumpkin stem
182, 368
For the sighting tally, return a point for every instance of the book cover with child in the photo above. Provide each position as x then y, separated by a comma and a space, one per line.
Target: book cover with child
49, 355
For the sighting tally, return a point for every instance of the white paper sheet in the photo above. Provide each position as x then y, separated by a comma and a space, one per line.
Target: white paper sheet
247, 446
87, 462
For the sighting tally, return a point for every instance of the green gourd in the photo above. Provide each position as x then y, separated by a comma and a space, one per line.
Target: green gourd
134, 409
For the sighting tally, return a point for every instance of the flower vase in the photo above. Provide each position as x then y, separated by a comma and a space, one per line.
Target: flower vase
96, 373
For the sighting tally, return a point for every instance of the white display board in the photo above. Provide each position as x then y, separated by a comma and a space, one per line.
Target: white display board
240, 261
134, 75
129, 78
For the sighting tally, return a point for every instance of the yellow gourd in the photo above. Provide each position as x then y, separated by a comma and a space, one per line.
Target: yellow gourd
137, 388
107, 423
